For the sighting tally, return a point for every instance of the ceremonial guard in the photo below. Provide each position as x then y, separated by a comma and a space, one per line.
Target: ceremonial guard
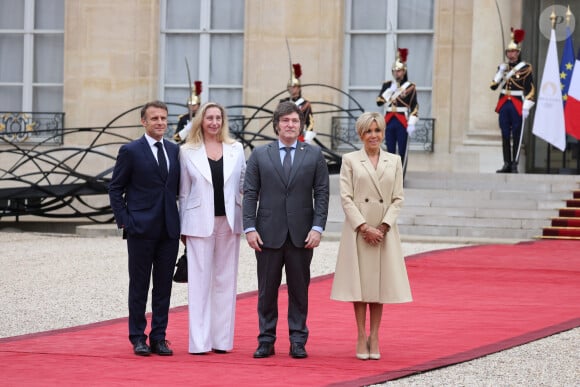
295, 91
515, 82
399, 97
185, 120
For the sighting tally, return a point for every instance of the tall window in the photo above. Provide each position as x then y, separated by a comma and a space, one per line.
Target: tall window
374, 31
210, 35
32, 55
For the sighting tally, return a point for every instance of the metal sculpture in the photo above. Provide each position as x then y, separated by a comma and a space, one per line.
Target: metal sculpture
60, 182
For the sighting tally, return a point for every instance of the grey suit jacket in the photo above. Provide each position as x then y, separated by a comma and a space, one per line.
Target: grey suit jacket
276, 207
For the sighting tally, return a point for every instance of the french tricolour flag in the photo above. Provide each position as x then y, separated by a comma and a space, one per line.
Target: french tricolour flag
572, 110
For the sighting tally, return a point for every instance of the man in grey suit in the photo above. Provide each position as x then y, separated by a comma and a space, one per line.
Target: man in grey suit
283, 225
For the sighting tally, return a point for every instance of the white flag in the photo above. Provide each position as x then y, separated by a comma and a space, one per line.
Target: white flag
549, 118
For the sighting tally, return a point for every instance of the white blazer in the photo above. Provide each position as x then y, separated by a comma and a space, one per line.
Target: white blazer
196, 205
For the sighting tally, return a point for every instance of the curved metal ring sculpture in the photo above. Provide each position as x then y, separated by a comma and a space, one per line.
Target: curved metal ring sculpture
57, 182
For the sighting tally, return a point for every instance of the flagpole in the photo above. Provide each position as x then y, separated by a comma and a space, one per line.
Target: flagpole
568, 15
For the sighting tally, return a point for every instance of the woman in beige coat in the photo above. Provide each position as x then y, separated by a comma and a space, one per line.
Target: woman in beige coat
370, 268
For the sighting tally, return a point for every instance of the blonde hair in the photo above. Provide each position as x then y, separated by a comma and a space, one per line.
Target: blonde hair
195, 136
365, 120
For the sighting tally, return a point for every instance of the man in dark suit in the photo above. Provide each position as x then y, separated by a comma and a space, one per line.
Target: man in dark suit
143, 196
283, 226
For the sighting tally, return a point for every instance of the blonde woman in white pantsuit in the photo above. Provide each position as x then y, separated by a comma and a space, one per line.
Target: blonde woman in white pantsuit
210, 206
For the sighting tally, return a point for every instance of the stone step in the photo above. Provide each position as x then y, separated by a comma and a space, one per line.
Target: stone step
562, 231
472, 203
478, 212
468, 232
494, 182
459, 205
449, 208
569, 212
558, 237
527, 224
429, 193
565, 222
497, 177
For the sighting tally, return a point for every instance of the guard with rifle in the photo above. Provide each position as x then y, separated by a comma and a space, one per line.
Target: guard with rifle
185, 120
515, 81
399, 96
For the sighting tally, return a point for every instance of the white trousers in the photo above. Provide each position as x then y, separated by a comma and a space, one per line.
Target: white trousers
212, 265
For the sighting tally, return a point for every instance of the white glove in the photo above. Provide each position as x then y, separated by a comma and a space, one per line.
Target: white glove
413, 119
388, 93
526, 108
410, 129
525, 113
528, 104
501, 68
498, 76
183, 133
309, 136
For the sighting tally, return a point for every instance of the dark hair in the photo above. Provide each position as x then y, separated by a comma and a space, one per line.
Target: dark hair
283, 109
157, 104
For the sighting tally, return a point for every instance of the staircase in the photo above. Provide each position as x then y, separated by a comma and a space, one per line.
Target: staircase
477, 206
567, 224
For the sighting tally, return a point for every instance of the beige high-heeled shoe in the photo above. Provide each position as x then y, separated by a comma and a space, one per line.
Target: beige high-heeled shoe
373, 356
364, 356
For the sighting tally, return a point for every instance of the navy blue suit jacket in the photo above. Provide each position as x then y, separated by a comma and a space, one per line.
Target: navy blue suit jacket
145, 205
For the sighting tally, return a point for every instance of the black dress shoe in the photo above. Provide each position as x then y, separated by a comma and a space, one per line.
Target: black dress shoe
161, 348
219, 351
297, 351
141, 349
507, 168
264, 350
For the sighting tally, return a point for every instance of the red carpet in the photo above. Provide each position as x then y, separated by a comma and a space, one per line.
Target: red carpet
567, 224
469, 302
570, 212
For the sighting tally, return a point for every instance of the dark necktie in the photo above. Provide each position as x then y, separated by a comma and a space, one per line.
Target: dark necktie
161, 160
287, 163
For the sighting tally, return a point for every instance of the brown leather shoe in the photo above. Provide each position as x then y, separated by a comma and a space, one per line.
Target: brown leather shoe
161, 348
264, 350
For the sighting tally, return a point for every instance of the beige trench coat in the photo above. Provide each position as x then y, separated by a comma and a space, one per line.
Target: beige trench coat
375, 274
